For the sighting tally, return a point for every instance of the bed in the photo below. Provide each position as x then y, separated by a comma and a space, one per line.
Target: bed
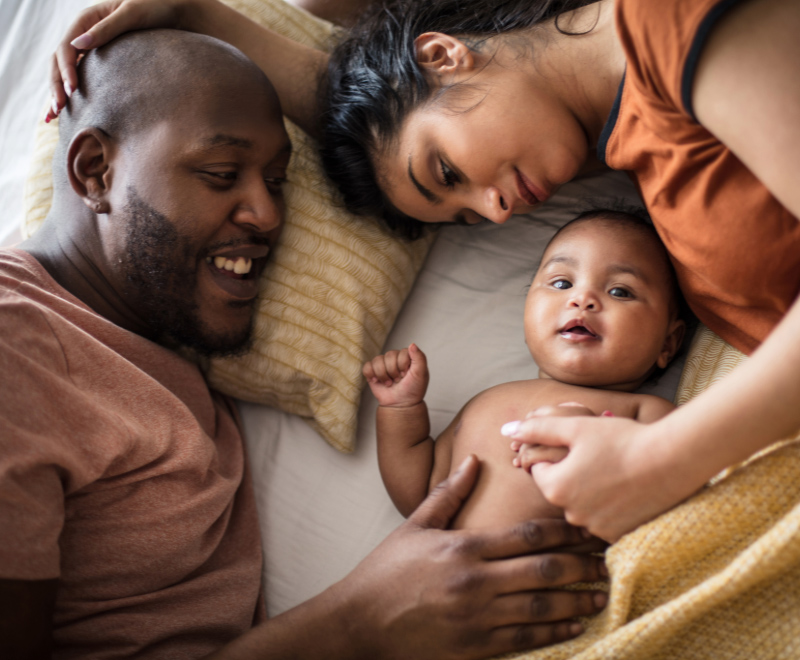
459, 296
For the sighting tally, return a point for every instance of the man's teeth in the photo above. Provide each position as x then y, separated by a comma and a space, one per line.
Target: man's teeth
239, 265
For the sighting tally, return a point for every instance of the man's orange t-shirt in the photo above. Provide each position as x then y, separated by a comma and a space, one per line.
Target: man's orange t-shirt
124, 477
735, 248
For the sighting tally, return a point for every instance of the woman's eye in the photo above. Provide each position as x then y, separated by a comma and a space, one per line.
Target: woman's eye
619, 292
562, 284
449, 177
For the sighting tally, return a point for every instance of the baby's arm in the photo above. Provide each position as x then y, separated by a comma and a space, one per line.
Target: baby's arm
399, 379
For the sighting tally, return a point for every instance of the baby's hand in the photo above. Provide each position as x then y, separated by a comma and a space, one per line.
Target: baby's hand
398, 378
529, 455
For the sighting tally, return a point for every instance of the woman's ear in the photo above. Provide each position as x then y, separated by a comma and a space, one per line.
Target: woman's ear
442, 54
89, 168
672, 343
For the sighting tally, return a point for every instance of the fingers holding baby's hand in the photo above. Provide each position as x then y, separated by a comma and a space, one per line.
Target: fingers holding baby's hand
398, 377
529, 455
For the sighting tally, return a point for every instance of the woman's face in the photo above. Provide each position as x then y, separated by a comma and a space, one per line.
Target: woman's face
495, 146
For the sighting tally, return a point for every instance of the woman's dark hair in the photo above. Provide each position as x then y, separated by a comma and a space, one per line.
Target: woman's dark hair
374, 82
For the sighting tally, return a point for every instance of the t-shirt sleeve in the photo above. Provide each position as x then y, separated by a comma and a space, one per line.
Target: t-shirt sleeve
663, 42
33, 463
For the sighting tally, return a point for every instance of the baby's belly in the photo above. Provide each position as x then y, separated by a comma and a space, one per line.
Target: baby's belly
503, 496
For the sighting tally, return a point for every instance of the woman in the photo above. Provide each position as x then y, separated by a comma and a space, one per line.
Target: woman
699, 100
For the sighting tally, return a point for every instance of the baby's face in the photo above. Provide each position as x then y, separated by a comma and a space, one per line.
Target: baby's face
598, 311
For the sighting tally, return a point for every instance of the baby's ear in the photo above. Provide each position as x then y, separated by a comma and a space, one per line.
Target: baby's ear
672, 343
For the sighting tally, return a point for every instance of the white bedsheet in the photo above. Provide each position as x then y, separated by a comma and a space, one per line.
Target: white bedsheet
321, 511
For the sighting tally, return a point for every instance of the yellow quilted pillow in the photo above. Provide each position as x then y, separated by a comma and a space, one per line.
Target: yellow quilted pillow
328, 298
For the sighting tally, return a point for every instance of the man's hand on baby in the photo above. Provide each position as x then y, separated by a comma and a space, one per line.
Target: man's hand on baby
437, 593
398, 378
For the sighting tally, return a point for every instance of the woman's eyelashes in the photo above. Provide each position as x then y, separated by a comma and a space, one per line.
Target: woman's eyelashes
449, 177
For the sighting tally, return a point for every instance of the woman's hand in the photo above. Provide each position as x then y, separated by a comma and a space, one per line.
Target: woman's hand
98, 25
618, 473
293, 68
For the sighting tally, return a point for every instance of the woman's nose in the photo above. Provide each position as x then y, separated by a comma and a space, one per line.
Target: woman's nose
495, 207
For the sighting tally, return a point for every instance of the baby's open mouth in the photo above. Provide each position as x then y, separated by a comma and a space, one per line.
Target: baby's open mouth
577, 328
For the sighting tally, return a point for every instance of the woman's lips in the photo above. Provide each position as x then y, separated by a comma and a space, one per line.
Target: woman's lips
528, 191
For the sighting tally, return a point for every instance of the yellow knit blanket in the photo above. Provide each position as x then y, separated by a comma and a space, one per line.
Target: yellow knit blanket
717, 577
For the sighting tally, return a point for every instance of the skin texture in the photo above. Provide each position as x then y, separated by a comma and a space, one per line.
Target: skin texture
341, 12
209, 174
750, 62
608, 275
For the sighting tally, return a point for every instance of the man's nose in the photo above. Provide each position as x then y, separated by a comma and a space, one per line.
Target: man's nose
259, 209
495, 207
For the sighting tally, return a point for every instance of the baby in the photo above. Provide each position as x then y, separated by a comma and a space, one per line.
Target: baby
601, 316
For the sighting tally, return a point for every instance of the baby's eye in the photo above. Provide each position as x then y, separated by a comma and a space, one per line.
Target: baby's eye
562, 284
619, 292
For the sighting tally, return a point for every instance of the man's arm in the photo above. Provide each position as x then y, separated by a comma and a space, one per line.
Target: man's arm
26, 616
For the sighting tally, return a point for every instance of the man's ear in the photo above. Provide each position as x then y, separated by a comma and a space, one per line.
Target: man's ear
672, 343
89, 168
442, 54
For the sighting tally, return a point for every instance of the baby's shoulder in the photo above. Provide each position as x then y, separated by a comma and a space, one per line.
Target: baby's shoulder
508, 398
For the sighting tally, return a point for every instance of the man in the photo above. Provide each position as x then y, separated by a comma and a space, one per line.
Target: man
128, 520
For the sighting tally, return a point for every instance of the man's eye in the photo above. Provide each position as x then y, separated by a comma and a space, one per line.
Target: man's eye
449, 177
619, 292
224, 176
562, 284
275, 183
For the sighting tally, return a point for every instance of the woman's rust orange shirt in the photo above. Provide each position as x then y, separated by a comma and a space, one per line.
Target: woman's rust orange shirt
735, 248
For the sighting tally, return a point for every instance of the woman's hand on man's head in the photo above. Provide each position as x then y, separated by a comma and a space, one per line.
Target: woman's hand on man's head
96, 26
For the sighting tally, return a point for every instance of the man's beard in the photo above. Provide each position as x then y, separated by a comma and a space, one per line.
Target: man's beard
160, 266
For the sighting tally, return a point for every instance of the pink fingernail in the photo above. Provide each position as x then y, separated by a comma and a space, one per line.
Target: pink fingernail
510, 428
83, 42
606, 413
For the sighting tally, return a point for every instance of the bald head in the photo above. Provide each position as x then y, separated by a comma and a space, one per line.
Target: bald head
145, 77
